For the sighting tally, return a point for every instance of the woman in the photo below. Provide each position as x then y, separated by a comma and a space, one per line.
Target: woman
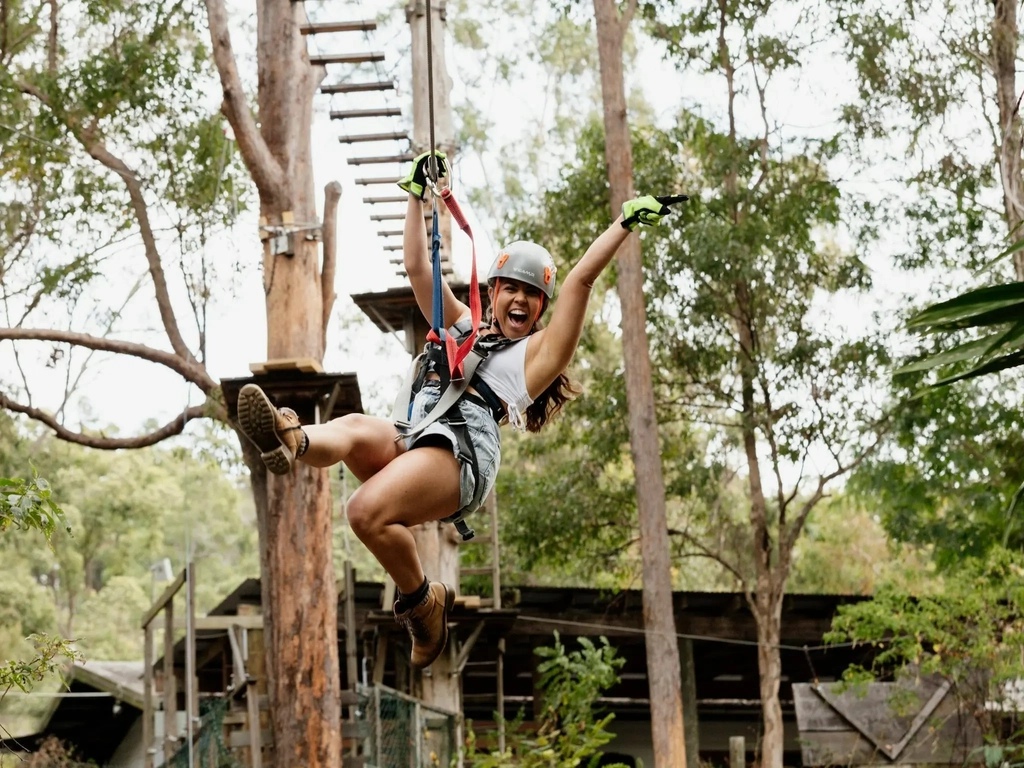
445, 476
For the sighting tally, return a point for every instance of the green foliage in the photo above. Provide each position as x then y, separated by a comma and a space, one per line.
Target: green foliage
925, 108
28, 505
997, 311
570, 731
102, 94
969, 630
51, 655
947, 477
128, 510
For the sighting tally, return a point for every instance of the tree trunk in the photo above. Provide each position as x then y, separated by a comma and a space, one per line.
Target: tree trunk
299, 592
1004, 58
768, 616
660, 638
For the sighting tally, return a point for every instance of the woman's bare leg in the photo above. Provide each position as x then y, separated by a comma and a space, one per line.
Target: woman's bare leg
416, 487
365, 443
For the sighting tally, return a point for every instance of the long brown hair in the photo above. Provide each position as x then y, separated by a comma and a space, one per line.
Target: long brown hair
558, 392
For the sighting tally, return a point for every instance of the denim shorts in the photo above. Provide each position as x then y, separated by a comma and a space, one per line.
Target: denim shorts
483, 434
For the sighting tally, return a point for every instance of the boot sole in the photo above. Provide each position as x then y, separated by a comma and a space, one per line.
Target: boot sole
256, 420
449, 603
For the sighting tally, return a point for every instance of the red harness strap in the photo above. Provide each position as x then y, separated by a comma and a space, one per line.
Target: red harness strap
456, 353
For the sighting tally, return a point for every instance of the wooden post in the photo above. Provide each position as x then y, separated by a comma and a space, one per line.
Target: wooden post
191, 679
170, 685
351, 661
256, 672
737, 752
147, 697
688, 680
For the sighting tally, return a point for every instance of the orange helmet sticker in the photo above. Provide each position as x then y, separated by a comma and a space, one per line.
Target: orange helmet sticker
547, 275
502, 259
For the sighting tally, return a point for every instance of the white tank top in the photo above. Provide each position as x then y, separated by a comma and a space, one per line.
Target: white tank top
504, 371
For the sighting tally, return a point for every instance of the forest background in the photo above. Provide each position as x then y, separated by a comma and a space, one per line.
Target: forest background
867, 144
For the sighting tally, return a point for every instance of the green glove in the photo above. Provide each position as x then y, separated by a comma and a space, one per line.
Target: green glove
647, 209
416, 182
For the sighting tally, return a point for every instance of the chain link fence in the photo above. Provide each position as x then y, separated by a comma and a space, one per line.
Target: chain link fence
402, 732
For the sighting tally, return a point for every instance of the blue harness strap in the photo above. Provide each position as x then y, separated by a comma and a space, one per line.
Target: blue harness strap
437, 313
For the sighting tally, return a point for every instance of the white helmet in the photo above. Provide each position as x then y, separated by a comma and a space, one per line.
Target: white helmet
527, 262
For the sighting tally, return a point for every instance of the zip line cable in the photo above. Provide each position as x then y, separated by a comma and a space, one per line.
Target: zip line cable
687, 636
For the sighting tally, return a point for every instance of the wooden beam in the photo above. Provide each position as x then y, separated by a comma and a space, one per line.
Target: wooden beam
387, 217
346, 58
389, 233
467, 647
223, 622
380, 85
168, 594
362, 137
349, 114
338, 26
379, 200
378, 180
380, 159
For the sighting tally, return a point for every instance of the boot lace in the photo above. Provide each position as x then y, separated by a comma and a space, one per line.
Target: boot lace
416, 627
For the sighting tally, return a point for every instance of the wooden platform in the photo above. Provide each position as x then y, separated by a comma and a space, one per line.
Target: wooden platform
312, 395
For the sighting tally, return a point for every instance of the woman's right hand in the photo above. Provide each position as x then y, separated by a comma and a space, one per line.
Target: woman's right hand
415, 182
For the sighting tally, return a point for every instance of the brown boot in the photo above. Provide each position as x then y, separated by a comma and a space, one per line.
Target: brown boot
427, 623
276, 432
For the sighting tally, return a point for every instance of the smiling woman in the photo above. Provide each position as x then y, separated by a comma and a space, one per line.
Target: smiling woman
438, 459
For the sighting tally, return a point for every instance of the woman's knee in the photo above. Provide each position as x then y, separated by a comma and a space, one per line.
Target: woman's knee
364, 513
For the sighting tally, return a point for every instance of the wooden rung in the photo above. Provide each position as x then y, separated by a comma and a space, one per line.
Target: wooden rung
403, 158
389, 232
346, 58
349, 698
338, 26
390, 136
378, 180
382, 85
481, 571
304, 364
470, 602
238, 739
394, 248
354, 730
387, 216
379, 200
347, 114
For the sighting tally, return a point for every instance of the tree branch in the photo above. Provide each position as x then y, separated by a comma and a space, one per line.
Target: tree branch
332, 194
189, 369
51, 42
99, 152
171, 428
705, 551
266, 172
789, 535
627, 15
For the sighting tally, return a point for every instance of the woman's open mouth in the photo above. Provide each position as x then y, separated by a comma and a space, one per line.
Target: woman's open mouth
518, 320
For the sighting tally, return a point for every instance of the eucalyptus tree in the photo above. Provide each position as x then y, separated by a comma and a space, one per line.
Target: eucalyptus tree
937, 105
110, 139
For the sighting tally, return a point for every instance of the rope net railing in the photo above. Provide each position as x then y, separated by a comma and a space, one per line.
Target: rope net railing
402, 732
